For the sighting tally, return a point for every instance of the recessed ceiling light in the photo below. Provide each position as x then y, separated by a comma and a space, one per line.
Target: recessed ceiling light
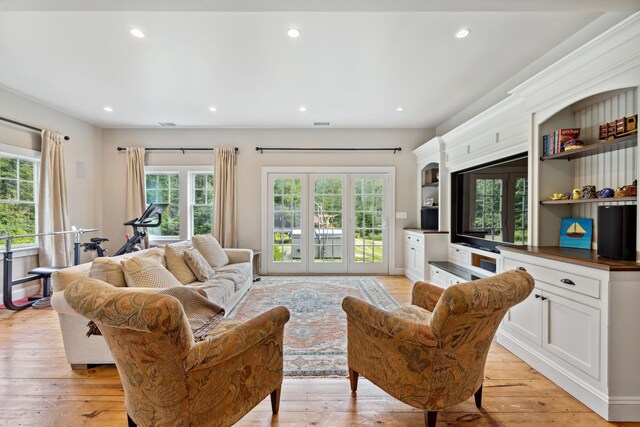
137, 33
108, 109
462, 33
399, 109
302, 109
294, 33
214, 109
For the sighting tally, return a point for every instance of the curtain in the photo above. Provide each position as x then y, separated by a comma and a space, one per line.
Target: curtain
53, 214
224, 223
135, 203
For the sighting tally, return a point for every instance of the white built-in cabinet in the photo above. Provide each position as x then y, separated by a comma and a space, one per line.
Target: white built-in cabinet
579, 327
420, 247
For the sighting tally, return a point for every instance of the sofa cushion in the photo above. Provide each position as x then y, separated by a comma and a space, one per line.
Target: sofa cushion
198, 264
109, 269
176, 264
210, 250
218, 290
238, 273
140, 272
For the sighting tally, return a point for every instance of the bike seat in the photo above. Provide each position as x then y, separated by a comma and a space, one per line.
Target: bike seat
98, 239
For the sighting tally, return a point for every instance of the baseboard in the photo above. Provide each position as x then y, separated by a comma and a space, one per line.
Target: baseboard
396, 271
610, 408
24, 292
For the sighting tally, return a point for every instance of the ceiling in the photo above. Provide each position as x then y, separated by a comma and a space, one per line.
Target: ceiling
350, 68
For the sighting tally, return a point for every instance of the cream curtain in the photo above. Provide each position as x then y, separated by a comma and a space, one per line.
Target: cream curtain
53, 214
224, 223
135, 203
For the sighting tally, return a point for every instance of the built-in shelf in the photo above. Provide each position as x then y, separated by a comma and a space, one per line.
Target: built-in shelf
595, 148
431, 184
571, 201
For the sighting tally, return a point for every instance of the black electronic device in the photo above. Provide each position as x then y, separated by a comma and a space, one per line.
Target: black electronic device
617, 232
429, 218
489, 203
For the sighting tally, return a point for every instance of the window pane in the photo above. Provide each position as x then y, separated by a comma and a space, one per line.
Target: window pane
8, 189
202, 203
26, 191
8, 168
17, 219
202, 219
26, 170
165, 188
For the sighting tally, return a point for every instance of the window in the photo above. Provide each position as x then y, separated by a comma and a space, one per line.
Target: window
18, 197
489, 202
202, 202
190, 194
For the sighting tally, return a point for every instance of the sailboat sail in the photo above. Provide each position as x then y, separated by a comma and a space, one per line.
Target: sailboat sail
575, 230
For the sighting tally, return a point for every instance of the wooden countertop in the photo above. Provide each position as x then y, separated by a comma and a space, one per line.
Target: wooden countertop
419, 230
583, 257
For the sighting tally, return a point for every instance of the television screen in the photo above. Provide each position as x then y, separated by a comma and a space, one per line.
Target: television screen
490, 203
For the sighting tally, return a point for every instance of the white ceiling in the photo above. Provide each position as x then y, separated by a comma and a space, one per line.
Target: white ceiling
349, 68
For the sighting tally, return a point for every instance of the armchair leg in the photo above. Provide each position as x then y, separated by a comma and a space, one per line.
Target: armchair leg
430, 418
478, 396
275, 400
353, 379
130, 422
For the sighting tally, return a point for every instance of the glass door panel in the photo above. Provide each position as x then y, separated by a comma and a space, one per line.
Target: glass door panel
369, 234
326, 242
287, 246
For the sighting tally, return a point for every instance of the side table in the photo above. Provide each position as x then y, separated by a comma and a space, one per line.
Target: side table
256, 264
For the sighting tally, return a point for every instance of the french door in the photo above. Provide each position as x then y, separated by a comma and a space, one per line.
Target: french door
326, 222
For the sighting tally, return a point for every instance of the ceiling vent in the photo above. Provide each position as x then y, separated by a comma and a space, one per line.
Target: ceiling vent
321, 124
167, 124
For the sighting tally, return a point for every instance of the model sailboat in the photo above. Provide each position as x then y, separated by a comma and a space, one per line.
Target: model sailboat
575, 231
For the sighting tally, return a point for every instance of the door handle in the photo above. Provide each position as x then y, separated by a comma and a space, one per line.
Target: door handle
520, 268
567, 282
537, 296
543, 298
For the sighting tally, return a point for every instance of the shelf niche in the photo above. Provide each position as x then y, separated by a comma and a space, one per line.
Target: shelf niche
600, 163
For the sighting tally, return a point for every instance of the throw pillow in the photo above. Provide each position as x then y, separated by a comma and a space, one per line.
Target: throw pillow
211, 250
108, 270
147, 273
176, 264
198, 265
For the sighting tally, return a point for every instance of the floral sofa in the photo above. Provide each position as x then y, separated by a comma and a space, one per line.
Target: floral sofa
226, 287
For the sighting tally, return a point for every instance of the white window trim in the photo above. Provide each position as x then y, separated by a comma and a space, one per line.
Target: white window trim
186, 199
25, 249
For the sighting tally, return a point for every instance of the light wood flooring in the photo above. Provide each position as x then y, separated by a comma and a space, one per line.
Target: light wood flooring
38, 388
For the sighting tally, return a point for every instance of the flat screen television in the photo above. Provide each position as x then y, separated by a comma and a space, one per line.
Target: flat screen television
489, 204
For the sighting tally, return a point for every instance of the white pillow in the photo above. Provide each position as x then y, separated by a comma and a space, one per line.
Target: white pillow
147, 273
174, 256
211, 250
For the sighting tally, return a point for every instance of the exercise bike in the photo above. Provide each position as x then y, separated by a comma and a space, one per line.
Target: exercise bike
151, 218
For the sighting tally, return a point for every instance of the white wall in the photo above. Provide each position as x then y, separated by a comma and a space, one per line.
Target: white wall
85, 201
250, 162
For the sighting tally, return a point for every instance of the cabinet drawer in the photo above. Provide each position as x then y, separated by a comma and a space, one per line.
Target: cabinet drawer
572, 282
438, 277
458, 256
414, 239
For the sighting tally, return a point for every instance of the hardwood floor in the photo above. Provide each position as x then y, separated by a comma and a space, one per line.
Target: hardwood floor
38, 388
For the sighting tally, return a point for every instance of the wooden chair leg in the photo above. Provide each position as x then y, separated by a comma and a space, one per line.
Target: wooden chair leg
275, 400
130, 422
430, 418
353, 379
478, 396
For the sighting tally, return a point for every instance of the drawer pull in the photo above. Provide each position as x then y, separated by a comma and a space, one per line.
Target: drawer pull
537, 295
568, 282
521, 268
543, 298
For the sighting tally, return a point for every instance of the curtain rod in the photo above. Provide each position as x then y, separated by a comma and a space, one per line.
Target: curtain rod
263, 149
176, 149
24, 125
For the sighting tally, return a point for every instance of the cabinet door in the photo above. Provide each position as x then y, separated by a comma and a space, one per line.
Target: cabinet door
409, 261
525, 319
571, 331
453, 280
419, 262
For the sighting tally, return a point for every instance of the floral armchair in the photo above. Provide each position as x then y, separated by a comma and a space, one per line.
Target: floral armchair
168, 378
431, 354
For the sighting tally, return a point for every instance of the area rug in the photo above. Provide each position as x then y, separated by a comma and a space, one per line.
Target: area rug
315, 339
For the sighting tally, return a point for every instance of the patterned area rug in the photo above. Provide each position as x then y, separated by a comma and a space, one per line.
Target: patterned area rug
315, 339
